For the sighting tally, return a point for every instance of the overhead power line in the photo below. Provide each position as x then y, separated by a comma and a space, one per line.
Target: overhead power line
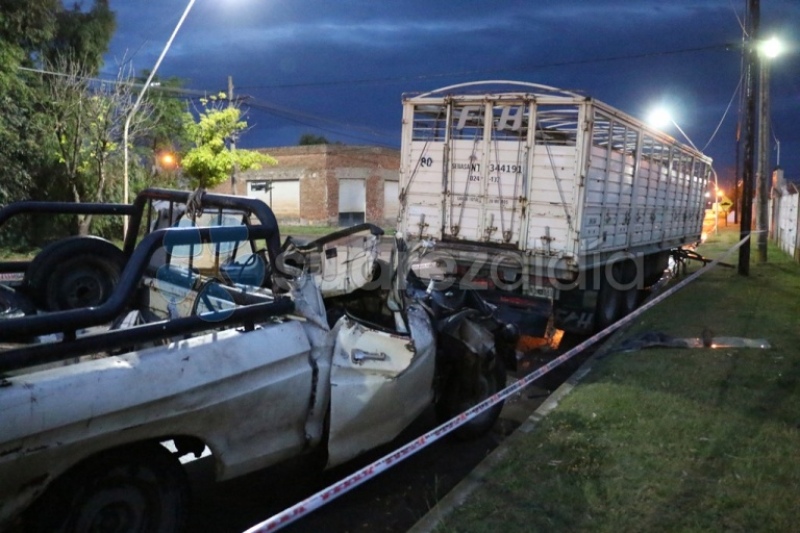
154, 86
572, 62
299, 117
313, 121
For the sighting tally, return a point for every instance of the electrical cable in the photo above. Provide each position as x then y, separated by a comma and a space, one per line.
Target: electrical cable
725, 114
490, 71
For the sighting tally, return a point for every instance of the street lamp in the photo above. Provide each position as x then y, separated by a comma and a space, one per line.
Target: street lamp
167, 160
135, 108
769, 49
661, 117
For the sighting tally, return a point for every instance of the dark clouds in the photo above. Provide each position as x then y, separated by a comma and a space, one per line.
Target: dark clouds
343, 66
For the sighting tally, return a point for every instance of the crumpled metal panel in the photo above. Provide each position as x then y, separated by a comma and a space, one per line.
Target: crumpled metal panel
380, 382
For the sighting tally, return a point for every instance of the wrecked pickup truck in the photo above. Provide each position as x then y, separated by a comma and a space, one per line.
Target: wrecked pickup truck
205, 332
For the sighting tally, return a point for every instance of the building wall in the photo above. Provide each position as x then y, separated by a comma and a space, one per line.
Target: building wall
319, 169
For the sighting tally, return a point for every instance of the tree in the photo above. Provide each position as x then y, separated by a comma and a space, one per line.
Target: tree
28, 24
32, 34
87, 121
308, 139
25, 27
162, 134
211, 161
83, 35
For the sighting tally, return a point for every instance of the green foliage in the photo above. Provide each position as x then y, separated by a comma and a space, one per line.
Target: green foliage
15, 177
83, 34
28, 24
25, 28
309, 138
211, 161
31, 33
164, 128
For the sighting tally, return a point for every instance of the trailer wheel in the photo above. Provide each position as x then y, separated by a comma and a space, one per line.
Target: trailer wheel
73, 273
630, 301
469, 387
609, 303
130, 490
631, 297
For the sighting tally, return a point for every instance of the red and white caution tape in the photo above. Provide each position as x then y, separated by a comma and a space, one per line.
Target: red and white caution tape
355, 479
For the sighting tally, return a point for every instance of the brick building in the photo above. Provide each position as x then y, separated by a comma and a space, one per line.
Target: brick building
326, 184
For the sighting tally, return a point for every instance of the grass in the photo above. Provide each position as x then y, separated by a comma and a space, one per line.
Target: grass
669, 439
302, 230
297, 230
13, 255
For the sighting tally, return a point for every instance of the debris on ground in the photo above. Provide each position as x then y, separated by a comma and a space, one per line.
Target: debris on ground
655, 339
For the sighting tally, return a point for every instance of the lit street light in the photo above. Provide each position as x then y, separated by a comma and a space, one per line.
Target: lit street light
661, 117
126, 129
168, 161
771, 48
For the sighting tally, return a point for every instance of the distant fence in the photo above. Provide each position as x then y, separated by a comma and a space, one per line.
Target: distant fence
783, 226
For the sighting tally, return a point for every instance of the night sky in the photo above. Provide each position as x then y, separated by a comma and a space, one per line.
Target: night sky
339, 68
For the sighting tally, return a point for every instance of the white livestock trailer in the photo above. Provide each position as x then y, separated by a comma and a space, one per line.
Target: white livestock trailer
547, 196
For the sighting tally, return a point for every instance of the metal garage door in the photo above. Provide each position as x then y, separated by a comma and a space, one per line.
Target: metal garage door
283, 196
391, 201
352, 201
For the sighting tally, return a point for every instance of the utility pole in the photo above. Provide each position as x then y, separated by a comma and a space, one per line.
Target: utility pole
762, 173
738, 169
233, 137
753, 22
737, 175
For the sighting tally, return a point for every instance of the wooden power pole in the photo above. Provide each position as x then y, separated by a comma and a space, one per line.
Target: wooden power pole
751, 68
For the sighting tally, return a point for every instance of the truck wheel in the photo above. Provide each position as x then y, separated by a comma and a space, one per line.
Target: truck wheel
630, 301
632, 296
131, 490
464, 391
608, 306
73, 273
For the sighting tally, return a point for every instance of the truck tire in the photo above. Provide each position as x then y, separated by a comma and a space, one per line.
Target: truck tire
138, 489
609, 303
463, 392
630, 301
632, 296
73, 273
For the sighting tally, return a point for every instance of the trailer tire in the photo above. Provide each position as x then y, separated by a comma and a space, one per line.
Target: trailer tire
632, 296
73, 273
133, 489
609, 304
630, 301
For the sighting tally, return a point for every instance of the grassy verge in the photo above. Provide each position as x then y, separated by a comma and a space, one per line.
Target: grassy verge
315, 231
669, 439
12, 255
309, 231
